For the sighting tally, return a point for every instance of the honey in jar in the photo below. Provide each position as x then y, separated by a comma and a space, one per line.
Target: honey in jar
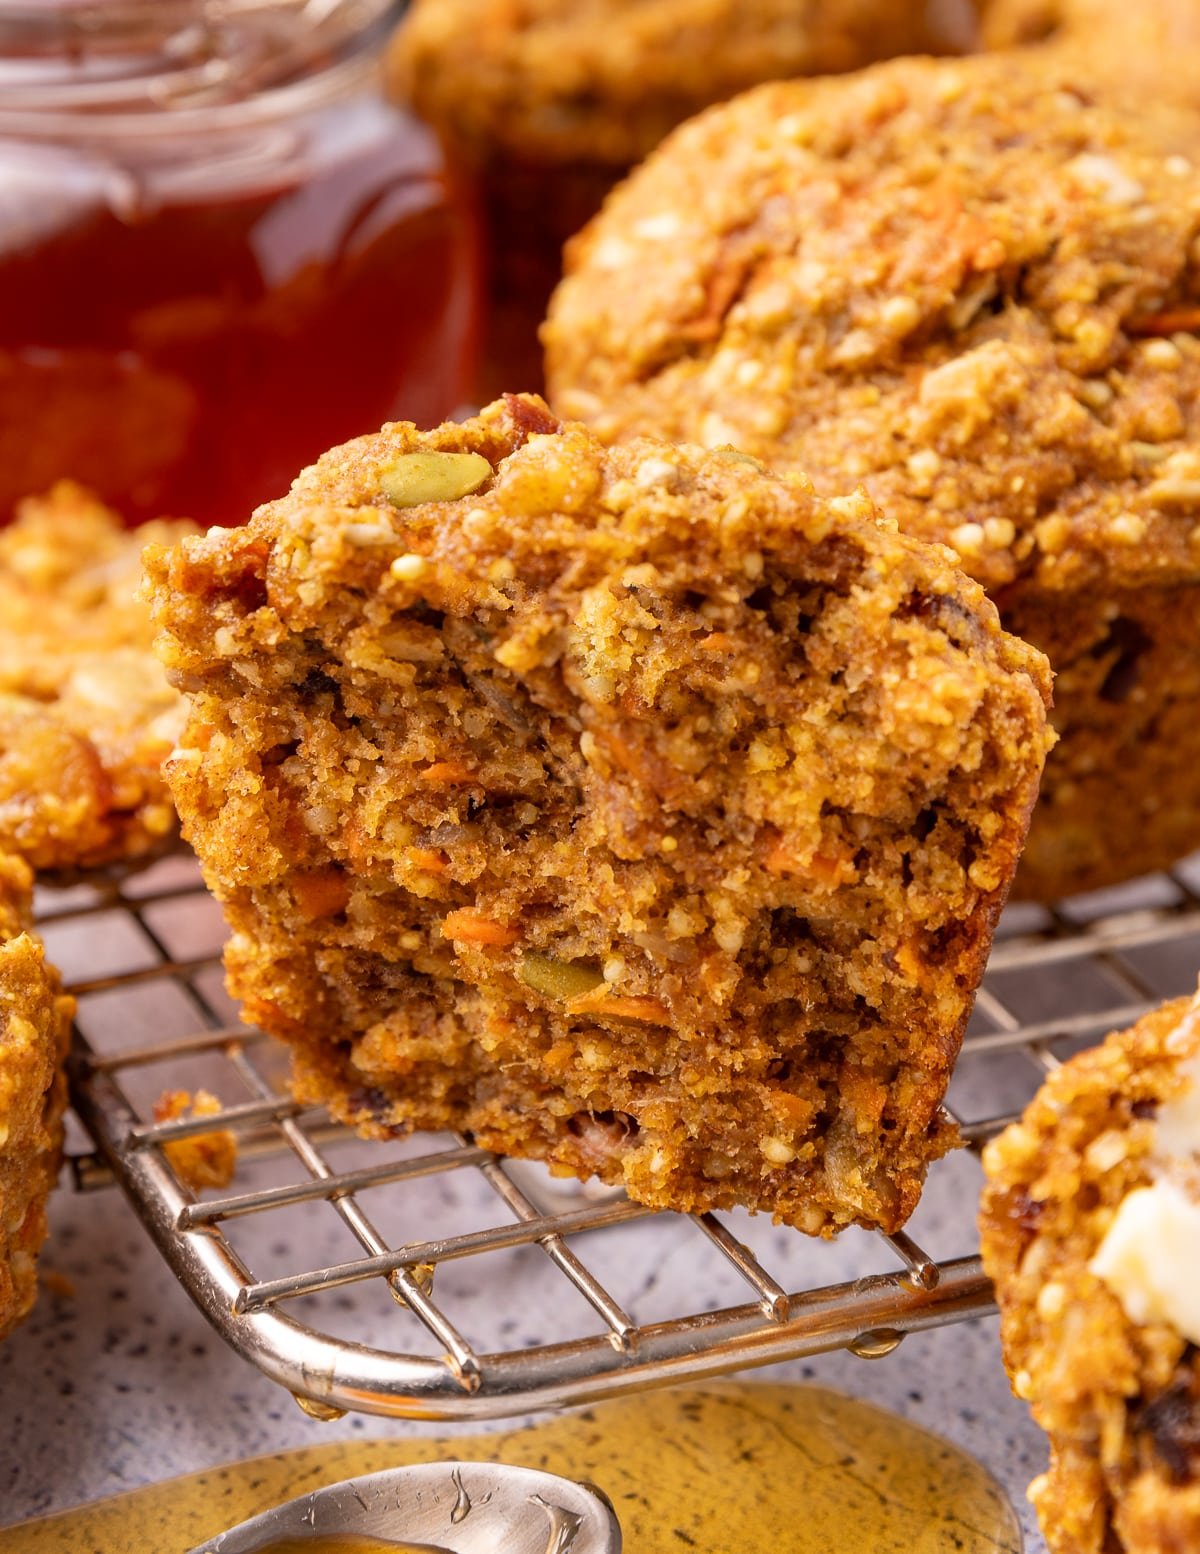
222, 250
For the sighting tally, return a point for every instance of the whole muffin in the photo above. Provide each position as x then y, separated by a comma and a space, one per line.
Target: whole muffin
565, 82
631, 809
971, 286
553, 100
1090, 1227
34, 1026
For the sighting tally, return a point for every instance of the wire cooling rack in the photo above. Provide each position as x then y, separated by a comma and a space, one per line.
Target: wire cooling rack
448, 1236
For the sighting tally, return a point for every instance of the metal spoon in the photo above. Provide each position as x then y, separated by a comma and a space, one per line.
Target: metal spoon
436, 1508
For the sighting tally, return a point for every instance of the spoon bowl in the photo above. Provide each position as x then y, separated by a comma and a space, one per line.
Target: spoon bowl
435, 1508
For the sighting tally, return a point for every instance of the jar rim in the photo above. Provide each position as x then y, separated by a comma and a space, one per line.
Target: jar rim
125, 63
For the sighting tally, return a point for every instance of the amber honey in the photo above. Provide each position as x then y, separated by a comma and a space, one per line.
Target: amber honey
725, 1469
337, 1545
196, 300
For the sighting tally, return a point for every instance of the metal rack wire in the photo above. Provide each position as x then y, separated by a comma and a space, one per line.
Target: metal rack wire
1056, 977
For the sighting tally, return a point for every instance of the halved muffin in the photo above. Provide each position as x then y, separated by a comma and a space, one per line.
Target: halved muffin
633, 809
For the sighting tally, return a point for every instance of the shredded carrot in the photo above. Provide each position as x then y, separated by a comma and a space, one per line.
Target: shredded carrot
624, 755
792, 1108
560, 1055
154, 751
830, 871
428, 860
908, 958
470, 927
600, 1001
1170, 321
321, 893
272, 1017
725, 282
448, 772
950, 240
356, 841
779, 858
643, 765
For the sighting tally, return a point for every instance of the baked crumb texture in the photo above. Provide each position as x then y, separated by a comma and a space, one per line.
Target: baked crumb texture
34, 1026
972, 286
1119, 1400
630, 809
1148, 52
204, 1159
552, 101
86, 715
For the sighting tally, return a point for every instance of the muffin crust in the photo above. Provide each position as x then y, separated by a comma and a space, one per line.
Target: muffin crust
971, 286
1101, 27
86, 715
551, 101
34, 1026
562, 82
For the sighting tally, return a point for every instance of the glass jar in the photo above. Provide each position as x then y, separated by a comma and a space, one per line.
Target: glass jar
222, 250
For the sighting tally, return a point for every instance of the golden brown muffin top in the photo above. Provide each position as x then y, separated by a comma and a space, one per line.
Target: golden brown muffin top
1149, 51
970, 284
608, 588
1115, 24
69, 571
482, 513
16, 884
35, 1019
604, 80
86, 715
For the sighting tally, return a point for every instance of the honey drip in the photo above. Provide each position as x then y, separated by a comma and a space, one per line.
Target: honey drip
743, 1468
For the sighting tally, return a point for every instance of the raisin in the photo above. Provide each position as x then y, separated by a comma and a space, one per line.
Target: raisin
530, 418
1172, 1421
1127, 640
374, 1102
316, 683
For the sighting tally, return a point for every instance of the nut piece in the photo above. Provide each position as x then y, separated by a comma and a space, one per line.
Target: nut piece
561, 979
414, 478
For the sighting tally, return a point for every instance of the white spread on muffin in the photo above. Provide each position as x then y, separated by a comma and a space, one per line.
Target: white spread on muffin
1150, 1256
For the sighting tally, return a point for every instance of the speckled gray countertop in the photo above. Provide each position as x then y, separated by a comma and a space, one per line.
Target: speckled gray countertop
123, 1383
117, 1380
